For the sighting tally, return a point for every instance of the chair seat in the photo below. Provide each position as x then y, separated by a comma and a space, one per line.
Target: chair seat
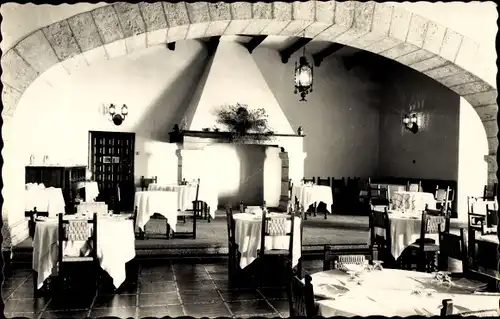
427, 246
77, 259
276, 252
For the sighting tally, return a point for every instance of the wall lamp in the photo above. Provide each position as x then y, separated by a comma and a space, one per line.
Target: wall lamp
117, 118
410, 122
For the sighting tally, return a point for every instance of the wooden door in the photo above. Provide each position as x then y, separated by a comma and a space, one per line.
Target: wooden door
111, 159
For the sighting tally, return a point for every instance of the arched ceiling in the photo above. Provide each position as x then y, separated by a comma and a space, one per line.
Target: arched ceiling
113, 30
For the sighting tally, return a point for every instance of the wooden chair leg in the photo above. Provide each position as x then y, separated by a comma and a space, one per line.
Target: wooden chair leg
315, 209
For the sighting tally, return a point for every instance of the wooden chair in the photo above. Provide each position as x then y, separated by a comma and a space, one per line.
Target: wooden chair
339, 192
381, 244
77, 230
309, 180
414, 187
442, 197
490, 223
490, 192
424, 250
190, 213
233, 254
301, 297
144, 182
447, 310
452, 246
323, 181
354, 252
276, 226
379, 196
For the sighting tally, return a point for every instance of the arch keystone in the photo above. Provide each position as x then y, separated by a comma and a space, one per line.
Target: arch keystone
177, 20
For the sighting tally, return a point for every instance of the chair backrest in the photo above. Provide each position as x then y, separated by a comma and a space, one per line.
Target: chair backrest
447, 310
301, 297
491, 217
490, 191
310, 180
452, 246
355, 253
380, 219
433, 221
323, 181
276, 226
77, 230
338, 185
230, 225
146, 181
197, 204
442, 195
414, 187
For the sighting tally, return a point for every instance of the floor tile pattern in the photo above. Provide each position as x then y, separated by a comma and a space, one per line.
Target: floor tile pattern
161, 288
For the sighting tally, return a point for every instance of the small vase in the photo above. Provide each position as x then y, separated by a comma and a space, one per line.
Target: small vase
32, 159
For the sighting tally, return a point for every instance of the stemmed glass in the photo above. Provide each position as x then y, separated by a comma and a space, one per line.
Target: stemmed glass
377, 265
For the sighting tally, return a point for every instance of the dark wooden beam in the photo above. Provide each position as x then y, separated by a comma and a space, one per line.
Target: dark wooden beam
171, 46
326, 52
287, 53
254, 42
212, 44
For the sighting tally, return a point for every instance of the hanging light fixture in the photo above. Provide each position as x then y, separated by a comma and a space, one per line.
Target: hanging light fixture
117, 118
303, 76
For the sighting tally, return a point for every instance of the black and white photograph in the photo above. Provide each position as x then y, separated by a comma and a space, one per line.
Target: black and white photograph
249, 159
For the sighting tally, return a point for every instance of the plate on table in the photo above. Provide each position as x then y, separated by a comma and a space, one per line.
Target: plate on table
41, 218
329, 291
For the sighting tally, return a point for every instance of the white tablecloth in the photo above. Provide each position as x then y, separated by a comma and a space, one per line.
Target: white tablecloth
248, 229
115, 247
413, 201
310, 194
49, 200
389, 293
101, 208
405, 230
187, 194
91, 190
161, 202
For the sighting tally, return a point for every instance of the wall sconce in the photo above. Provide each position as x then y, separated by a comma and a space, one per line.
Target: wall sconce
410, 122
117, 118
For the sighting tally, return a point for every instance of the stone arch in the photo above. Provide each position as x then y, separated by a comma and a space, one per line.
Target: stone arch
383, 29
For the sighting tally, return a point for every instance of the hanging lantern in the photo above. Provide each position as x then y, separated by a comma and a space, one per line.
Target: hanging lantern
303, 78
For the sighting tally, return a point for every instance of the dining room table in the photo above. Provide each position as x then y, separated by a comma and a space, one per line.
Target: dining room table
164, 203
394, 292
309, 194
248, 230
187, 194
115, 246
405, 230
44, 199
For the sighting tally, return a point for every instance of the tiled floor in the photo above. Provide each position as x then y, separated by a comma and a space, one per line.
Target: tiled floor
162, 288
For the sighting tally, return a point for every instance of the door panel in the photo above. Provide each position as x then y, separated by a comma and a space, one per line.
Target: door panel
111, 158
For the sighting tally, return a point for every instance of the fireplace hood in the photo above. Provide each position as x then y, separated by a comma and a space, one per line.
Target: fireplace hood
232, 76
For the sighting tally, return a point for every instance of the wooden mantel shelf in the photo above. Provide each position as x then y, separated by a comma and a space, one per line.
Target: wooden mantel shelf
178, 137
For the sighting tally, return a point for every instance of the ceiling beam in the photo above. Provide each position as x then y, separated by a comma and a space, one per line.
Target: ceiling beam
254, 42
212, 44
358, 58
326, 52
287, 53
171, 46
